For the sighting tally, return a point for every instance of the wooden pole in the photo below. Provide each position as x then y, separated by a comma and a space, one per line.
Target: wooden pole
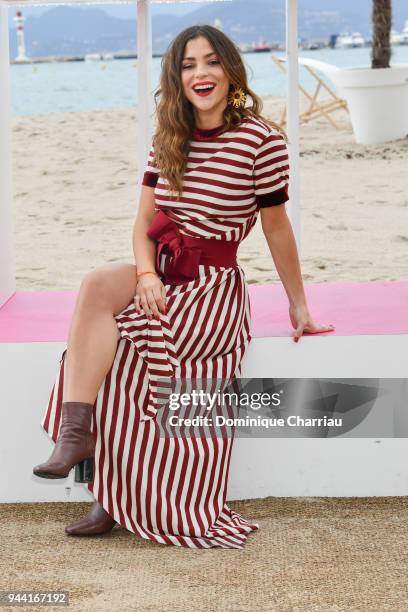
7, 258
144, 87
292, 97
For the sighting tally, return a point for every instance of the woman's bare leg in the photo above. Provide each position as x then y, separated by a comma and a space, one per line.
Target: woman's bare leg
93, 334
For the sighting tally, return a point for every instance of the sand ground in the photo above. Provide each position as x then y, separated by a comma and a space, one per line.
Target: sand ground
311, 554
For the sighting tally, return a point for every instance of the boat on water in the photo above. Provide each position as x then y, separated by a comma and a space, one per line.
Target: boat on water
261, 47
400, 38
96, 57
345, 40
313, 45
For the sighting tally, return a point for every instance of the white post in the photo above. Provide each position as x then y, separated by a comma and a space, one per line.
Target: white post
7, 261
144, 92
292, 101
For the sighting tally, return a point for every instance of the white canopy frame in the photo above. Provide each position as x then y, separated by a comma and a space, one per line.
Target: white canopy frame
145, 117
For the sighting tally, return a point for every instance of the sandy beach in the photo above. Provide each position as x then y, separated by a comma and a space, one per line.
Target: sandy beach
74, 181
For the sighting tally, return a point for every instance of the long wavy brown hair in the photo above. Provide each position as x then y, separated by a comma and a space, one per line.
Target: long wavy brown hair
174, 112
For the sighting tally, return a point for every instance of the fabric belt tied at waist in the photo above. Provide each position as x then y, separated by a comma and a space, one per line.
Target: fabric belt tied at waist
187, 252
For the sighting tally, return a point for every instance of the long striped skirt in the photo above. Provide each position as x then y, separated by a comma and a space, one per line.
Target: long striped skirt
168, 488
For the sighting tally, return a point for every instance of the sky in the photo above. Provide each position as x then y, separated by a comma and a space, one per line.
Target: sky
128, 11
123, 11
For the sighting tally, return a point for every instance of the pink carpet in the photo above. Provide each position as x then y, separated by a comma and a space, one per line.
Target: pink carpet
375, 307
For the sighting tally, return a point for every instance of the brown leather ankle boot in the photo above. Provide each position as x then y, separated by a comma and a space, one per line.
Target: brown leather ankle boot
75, 441
97, 521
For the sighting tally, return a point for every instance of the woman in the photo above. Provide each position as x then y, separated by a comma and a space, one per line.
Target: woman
184, 313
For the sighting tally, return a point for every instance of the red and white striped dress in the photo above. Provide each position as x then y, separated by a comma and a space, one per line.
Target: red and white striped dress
172, 490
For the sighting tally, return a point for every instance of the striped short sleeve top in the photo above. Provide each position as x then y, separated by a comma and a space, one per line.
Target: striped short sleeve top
229, 176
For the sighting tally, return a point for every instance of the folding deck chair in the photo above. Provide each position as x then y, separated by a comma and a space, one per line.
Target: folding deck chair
316, 107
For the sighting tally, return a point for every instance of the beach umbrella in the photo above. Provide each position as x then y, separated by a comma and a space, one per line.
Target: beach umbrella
145, 115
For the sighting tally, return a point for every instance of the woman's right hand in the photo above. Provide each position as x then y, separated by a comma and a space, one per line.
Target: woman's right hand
150, 296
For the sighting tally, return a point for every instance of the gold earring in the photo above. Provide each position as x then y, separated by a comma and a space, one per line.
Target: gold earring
237, 97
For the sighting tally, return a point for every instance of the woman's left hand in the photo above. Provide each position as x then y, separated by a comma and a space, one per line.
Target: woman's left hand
303, 322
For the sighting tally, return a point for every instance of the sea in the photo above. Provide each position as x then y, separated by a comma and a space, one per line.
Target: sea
92, 85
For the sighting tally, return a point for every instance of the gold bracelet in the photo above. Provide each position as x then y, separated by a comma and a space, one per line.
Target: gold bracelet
147, 272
